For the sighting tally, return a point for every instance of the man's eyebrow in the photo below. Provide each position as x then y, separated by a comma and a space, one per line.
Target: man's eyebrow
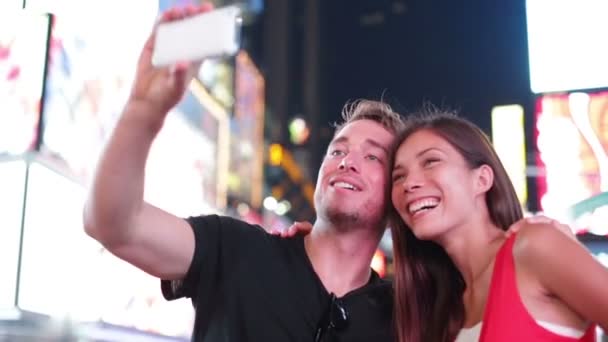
338, 140
377, 144
372, 142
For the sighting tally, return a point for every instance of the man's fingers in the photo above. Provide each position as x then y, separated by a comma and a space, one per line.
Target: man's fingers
303, 228
171, 14
514, 228
539, 219
289, 232
293, 230
296, 228
206, 6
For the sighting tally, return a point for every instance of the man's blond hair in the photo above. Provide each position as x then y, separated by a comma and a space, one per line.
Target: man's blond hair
376, 111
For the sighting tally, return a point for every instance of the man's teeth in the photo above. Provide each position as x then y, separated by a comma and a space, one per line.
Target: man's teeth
345, 185
427, 203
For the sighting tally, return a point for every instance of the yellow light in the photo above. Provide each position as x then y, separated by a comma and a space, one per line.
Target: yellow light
275, 154
509, 141
379, 263
277, 191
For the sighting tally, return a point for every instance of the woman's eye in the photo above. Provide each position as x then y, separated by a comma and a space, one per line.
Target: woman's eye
430, 161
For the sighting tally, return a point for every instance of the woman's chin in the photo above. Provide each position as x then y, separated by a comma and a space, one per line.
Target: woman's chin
425, 234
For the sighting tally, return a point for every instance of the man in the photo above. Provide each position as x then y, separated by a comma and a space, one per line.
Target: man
247, 285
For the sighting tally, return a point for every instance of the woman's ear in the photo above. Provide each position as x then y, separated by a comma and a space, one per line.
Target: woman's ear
484, 179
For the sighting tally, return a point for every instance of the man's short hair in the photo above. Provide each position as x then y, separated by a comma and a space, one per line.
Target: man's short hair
376, 111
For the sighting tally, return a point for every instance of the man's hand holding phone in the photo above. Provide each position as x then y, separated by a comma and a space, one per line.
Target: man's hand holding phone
158, 89
210, 34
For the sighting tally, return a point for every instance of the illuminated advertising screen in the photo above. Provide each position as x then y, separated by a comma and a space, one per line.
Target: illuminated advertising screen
10, 5
508, 139
56, 251
65, 273
23, 41
88, 85
572, 141
217, 76
186, 168
567, 44
247, 132
12, 183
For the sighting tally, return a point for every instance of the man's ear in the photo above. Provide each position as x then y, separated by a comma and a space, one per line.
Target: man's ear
484, 179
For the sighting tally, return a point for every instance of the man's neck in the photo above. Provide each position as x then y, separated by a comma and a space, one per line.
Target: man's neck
341, 258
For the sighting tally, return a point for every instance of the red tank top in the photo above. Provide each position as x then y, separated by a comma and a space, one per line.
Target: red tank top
506, 318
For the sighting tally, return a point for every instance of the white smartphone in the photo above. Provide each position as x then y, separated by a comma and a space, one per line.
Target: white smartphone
206, 35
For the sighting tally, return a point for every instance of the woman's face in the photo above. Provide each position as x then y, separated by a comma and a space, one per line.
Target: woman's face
434, 189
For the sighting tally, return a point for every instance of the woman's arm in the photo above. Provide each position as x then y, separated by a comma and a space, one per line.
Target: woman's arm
567, 270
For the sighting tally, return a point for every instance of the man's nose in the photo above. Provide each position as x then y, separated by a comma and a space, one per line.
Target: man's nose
348, 163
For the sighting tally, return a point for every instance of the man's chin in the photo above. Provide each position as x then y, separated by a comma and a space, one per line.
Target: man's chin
339, 216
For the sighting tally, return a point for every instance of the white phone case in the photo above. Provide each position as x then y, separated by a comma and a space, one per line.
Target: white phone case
206, 35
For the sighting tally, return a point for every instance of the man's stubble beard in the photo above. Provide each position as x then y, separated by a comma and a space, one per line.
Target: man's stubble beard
348, 219
343, 219
334, 212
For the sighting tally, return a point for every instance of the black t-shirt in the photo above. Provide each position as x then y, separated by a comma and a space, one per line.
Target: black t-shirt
247, 285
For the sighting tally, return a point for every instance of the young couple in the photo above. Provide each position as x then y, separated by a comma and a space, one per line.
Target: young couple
435, 180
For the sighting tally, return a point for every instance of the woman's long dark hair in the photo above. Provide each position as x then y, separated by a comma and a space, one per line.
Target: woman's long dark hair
428, 289
428, 286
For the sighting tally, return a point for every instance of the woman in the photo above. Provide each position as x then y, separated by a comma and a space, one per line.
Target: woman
455, 268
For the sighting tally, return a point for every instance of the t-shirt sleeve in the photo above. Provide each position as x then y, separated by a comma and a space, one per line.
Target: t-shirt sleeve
221, 243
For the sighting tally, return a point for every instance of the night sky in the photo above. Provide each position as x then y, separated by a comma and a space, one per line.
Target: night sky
468, 55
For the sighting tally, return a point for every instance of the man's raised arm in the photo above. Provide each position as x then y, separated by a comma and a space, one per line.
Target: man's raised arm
115, 213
